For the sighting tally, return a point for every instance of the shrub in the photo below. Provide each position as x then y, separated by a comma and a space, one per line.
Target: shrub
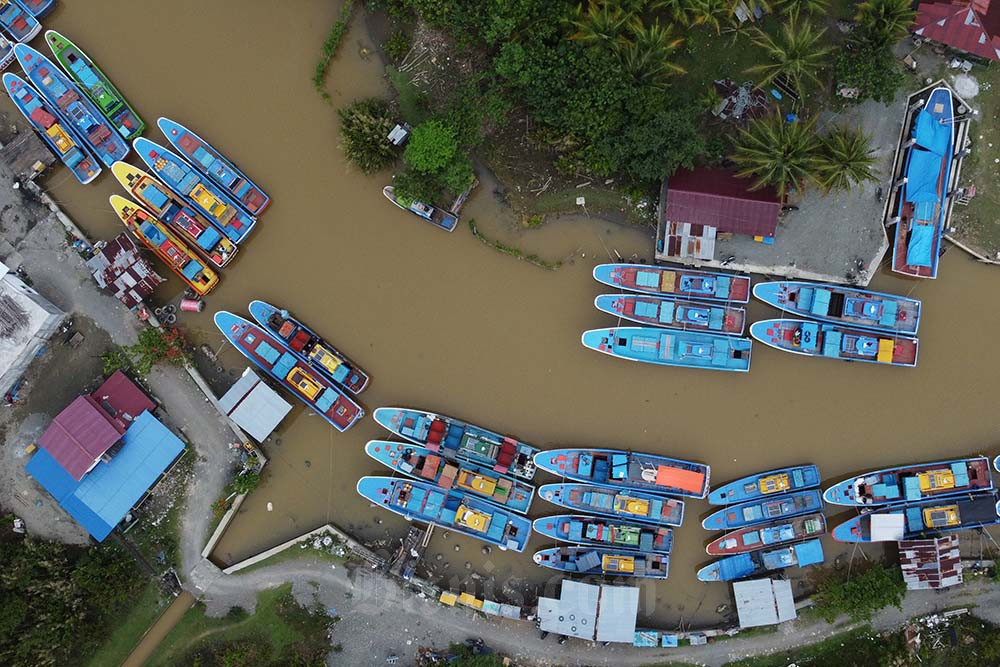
412, 185
365, 127
432, 146
397, 46
246, 482
860, 596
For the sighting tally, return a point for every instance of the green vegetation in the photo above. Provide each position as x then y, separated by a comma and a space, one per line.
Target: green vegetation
872, 69
156, 345
411, 100
128, 627
434, 163
796, 53
397, 46
860, 595
858, 648
364, 126
281, 632
846, 159
330, 48
511, 250
245, 482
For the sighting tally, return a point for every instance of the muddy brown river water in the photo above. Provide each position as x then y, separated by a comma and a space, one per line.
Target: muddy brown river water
445, 323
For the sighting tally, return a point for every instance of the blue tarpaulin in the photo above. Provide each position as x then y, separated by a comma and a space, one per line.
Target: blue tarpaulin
919, 251
931, 134
922, 176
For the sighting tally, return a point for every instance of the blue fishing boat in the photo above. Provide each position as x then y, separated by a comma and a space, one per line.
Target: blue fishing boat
743, 566
599, 531
438, 217
6, 52
195, 189
271, 356
775, 533
458, 440
687, 349
768, 508
452, 510
913, 483
670, 313
17, 21
662, 281
892, 523
996, 464
611, 502
216, 166
628, 470
844, 305
923, 197
73, 107
764, 484
831, 341
610, 562
310, 347
60, 138
423, 464
38, 8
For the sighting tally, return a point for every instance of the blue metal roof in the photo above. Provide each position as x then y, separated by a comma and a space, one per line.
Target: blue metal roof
105, 495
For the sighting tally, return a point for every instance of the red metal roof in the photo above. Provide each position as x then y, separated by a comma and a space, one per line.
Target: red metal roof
718, 198
122, 400
931, 563
970, 26
79, 436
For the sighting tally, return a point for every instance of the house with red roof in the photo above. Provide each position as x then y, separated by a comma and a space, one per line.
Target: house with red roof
972, 27
698, 206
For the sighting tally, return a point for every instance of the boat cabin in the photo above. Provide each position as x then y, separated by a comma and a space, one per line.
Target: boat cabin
613, 563
944, 516
472, 519
774, 484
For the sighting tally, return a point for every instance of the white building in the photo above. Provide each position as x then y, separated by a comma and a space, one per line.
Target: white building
27, 320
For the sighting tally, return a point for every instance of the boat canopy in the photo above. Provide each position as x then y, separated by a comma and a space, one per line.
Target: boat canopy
931, 134
922, 176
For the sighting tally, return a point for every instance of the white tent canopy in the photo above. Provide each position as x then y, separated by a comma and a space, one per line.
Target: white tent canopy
585, 611
253, 405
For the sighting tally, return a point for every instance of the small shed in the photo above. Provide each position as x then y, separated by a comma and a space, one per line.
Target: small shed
586, 611
253, 405
764, 602
932, 563
120, 268
79, 436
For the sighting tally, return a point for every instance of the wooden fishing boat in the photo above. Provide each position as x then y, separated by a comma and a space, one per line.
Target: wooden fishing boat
670, 313
609, 501
459, 440
452, 510
609, 562
830, 341
913, 483
844, 305
38, 8
773, 534
155, 235
687, 349
769, 508
625, 469
765, 484
17, 21
675, 282
157, 198
6, 52
73, 107
96, 85
432, 214
923, 197
216, 166
270, 355
755, 563
59, 137
892, 523
203, 195
423, 464
598, 531
310, 347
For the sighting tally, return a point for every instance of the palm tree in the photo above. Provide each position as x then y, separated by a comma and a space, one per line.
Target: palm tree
847, 159
885, 21
806, 6
797, 52
710, 13
678, 10
647, 55
603, 23
777, 153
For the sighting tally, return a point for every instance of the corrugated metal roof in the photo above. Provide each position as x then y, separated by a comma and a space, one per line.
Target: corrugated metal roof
122, 400
718, 198
79, 436
931, 563
253, 405
616, 614
973, 27
120, 267
574, 613
764, 602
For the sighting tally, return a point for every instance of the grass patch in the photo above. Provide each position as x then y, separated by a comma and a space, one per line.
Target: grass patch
330, 48
294, 553
129, 628
858, 648
412, 101
512, 251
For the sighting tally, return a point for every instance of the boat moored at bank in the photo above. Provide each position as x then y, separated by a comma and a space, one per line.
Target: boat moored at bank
755, 563
17, 21
423, 464
611, 502
775, 533
892, 523
438, 217
913, 483
831, 341
766, 484
608, 562
6, 52
849, 306
600, 531
670, 313
769, 508
451, 510
661, 281
625, 469
686, 349
39, 8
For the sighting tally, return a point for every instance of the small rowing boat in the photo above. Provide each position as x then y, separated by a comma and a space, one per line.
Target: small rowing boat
157, 198
609, 562
155, 235
675, 282
830, 341
625, 469
60, 138
687, 349
598, 531
610, 502
773, 534
754, 563
216, 166
892, 523
436, 216
459, 440
310, 347
670, 313
767, 509
451, 510
425, 465
765, 484
38, 8
17, 21
844, 305
271, 356
96, 85
913, 483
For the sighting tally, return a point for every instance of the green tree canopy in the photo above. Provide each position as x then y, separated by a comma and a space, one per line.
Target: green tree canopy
847, 159
432, 146
777, 153
885, 21
870, 68
797, 53
364, 128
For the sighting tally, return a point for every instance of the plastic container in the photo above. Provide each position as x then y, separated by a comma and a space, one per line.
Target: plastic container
192, 305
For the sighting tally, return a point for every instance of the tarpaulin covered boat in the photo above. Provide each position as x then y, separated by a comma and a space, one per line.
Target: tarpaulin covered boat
675, 282
609, 562
913, 483
625, 469
611, 502
670, 313
831, 341
845, 305
687, 349
754, 563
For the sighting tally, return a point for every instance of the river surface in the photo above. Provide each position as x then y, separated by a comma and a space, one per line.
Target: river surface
445, 323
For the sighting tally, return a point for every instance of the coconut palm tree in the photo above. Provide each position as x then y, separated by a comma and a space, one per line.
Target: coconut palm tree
847, 159
804, 6
885, 21
679, 11
796, 52
710, 13
647, 56
602, 23
777, 153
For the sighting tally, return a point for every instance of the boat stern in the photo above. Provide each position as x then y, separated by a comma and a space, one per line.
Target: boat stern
261, 311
